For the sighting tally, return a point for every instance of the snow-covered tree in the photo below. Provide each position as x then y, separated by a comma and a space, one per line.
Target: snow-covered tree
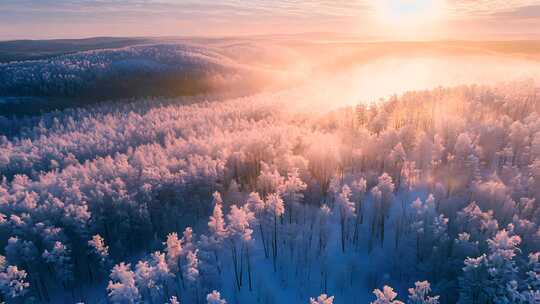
420, 294
216, 224
121, 288
269, 180
346, 210
276, 208
173, 250
173, 300
291, 191
322, 299
358, 191
502, 268
240, 220
161, 270
191, 269
474, 281
533, 276
13, 282
215, 298
60, 259
145, 278
383, 195
100, 251
386, 296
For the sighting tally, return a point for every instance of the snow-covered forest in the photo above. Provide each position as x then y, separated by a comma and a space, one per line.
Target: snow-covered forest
133, 71
426, 197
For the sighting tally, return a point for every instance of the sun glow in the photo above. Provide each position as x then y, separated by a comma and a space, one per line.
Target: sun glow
409, 14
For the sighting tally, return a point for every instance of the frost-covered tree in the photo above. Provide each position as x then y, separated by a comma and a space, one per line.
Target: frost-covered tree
346, 210
162, 273
269, 181
502, 268
291, 191
276, 209
395, 162
533, 277
383, 195
322, 299
60, 260
358, 191
420, 294
429, 227
99, 248
386, 296
240, 237
464, 247
191, 269
474, 281
480, 225
213, 242
173, 300
122, 288
215, 298
173, 250
492, 277
216, 224
324, 215
13, 282
99, 251
145, 279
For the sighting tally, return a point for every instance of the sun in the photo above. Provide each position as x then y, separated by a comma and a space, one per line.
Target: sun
409, 13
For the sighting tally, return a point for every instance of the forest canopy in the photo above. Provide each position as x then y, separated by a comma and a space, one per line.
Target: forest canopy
434, 193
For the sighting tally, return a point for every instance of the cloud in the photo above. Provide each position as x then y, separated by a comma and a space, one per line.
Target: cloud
483, 8
524, 12
202, 7
54, 18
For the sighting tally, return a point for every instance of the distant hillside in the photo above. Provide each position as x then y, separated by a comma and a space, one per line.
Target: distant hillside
21, 50
55, 74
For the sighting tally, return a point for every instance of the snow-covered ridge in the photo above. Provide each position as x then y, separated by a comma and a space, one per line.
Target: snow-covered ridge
75, 74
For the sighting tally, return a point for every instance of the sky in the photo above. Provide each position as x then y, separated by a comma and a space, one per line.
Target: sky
374, 19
